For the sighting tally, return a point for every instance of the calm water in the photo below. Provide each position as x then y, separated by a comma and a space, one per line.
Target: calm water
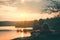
8, 35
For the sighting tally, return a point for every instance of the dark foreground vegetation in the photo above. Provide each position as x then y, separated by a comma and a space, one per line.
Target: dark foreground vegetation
44, 29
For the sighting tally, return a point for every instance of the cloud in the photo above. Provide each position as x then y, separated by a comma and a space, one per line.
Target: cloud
57, 4
40, 5
55, 7
32, 6
45, 5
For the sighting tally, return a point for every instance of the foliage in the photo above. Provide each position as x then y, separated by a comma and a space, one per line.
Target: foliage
53, 23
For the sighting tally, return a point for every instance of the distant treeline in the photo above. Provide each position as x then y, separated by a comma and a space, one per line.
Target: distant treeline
6, 23
17, 23
53, 23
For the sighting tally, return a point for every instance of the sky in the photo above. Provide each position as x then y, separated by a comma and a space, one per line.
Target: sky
26, 10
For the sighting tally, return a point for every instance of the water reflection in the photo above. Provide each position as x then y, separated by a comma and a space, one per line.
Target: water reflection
7, 35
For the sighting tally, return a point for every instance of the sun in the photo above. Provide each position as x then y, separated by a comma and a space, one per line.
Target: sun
22, 1
22, 15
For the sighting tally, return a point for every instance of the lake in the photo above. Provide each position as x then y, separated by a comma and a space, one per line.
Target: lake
8, 35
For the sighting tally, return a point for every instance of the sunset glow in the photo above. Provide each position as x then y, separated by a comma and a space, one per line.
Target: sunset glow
23, 10
29, 19
24, 16
22, 34
22, 1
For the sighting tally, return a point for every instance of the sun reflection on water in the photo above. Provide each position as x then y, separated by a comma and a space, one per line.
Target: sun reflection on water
22, 35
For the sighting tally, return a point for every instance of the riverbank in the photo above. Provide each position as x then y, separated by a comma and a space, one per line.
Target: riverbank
43, 36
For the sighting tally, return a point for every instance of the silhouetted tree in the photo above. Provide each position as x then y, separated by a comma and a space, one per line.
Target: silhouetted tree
54, 24
46, 27
41, 21
35, 25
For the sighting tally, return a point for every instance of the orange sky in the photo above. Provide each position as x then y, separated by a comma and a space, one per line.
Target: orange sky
22, 14
22, 11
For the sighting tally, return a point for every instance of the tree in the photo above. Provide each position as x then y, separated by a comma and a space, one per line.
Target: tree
46, 27
41, 22
35, 25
